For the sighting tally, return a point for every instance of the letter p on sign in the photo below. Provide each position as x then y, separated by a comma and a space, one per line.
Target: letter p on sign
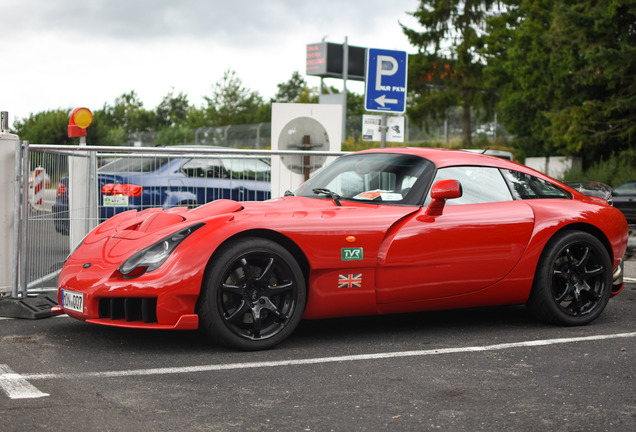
385, 66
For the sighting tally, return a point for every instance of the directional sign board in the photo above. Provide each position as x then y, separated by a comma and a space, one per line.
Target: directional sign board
386, 81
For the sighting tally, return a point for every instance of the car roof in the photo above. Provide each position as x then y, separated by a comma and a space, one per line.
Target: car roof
443, 158
448, 157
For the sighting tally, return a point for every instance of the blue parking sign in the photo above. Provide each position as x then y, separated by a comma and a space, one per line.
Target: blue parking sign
385, 88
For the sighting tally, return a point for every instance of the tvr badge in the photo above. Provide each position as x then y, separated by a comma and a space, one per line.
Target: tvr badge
351, 254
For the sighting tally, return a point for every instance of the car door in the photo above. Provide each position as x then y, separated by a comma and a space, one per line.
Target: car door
475, 242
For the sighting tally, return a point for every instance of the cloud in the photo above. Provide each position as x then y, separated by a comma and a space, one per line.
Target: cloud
66, 53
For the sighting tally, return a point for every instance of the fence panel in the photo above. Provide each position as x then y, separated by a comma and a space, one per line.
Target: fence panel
110, 180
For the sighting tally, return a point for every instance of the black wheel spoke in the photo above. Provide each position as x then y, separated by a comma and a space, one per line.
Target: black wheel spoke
271, 307
267, 271
566, 292
589, 292
256, 326
280, 288
247, 271
233, 289
584, 259
238, 312
588, 274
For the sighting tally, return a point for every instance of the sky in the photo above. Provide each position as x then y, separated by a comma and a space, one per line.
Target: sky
66, 54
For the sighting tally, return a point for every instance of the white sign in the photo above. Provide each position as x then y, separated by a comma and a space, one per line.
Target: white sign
372, 124
292, 123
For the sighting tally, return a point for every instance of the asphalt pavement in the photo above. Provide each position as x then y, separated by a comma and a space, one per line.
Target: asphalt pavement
463, 370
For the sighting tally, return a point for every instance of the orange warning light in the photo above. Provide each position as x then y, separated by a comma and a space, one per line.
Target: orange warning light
81, 118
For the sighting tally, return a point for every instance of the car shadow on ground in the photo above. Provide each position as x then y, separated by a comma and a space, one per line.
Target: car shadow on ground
404, 326
378, 330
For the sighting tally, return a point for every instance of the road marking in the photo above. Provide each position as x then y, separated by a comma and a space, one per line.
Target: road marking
626, 279
17, 386
54, 316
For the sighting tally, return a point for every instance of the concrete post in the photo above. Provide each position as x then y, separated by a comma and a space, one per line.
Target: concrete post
7, 198
80, 211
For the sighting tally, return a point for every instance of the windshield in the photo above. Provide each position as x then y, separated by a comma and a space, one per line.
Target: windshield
373, 177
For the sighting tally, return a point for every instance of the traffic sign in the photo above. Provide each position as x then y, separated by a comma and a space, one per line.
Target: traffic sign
385, 88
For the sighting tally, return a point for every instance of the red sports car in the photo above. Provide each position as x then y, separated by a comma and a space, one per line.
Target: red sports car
375, 232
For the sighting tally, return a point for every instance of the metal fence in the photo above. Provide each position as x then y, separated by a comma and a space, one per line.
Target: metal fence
258, 135
71, 189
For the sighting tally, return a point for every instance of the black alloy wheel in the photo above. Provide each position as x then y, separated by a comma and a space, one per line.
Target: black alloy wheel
254, 296
573, 280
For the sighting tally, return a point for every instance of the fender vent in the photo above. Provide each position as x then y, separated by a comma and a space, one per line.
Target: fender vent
129, 309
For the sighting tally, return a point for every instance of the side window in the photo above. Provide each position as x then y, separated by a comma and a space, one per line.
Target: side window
526, 186
204, 168
479, 184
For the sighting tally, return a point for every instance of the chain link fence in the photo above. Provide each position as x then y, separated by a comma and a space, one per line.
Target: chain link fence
258, 136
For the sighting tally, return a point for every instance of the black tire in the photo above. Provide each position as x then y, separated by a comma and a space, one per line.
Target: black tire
254, 295
573, 280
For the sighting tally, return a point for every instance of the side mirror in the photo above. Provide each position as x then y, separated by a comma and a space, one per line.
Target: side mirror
440, 192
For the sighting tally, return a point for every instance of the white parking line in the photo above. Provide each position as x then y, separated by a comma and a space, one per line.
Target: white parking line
17, 386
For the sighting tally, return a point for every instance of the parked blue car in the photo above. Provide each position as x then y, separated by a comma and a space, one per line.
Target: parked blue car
140, 182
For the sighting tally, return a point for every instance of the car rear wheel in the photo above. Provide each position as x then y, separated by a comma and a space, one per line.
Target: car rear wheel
254, 295
573, 280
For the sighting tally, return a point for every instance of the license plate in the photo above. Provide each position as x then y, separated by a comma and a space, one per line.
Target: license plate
115, 200
73, 301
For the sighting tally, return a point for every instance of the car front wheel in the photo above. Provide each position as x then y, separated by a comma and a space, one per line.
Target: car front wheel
254, 295
573, 280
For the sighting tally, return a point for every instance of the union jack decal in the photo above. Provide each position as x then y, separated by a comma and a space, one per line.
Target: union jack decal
350, 280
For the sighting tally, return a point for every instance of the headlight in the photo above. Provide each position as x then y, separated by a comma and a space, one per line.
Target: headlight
153, 256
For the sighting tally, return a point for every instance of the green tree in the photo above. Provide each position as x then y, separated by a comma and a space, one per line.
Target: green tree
197, 117
292, 90
173, 110
129, 113
296, 90
48, 127
566, 76
448, 68
175, 135
232, 103
595, 43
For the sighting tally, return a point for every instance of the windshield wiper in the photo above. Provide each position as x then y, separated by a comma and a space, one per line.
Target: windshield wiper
331, 194
288, 193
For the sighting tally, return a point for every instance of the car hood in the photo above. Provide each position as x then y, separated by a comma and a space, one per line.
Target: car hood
278, 212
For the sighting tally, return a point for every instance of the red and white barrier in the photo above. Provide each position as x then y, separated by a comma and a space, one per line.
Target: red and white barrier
39, 177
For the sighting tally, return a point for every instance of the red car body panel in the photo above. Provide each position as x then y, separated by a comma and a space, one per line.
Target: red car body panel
406, 260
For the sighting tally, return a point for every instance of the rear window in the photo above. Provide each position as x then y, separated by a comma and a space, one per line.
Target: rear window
135, 164
526, 186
